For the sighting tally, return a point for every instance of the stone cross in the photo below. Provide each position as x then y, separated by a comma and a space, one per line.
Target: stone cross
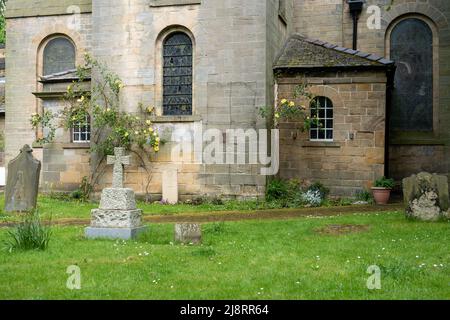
118, 160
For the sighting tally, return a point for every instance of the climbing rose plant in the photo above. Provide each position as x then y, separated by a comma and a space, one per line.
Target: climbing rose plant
100, 106
290, 111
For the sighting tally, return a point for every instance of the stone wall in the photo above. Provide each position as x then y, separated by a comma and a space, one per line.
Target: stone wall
331, 21
355, 157
231, 79
23, 53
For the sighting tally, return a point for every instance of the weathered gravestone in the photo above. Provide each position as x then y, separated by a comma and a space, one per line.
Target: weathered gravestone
22, 183
188, 233
426, 196
117, 217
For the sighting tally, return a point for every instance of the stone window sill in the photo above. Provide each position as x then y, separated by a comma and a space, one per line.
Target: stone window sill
321, 144
168, 119
37, 145
76, 145
164, 3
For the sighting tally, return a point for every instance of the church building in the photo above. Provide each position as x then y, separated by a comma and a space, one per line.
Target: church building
379, 68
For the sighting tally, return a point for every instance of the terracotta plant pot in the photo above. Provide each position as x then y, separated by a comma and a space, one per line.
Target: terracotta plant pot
381, 195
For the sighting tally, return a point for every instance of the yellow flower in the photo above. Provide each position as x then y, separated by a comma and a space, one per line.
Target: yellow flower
108, 109
137, 118
292, 104
150, 129
148, 122
277, 115
150, 109
126, 134
284, 101
136, 132
157, 139
155, 134
156, 149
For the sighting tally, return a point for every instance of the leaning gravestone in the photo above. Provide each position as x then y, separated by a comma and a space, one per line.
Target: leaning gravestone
117, 217
426, 196
188, 233
22, 183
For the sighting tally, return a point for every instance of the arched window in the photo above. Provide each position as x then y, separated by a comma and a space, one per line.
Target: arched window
322, 109
177, 74
59, 56
412, 49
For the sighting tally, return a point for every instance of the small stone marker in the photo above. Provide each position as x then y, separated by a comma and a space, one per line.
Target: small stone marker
170, 186
426, 196
118, 160
188, 233
22, 184
117, 217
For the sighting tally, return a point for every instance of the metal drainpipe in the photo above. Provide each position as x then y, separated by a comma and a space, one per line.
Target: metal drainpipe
355, 10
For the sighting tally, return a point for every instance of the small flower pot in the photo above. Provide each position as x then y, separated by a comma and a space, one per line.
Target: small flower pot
381, 195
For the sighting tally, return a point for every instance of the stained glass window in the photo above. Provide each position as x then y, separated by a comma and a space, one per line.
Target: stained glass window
59, 56
177, 74
412, 50
322, 109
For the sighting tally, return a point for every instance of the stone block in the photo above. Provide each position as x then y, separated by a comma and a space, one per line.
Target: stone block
426, 196
116, 218
114, 233
170, 186
188, 233
118, 199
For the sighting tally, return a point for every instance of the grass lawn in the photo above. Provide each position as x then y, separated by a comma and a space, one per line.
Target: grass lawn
60, 209
267, 259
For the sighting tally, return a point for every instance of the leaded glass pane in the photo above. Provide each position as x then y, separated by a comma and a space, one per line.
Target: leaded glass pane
323, 108
177, 75
59, 56
412, 50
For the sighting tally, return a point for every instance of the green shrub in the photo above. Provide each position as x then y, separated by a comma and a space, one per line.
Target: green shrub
364, 195
216, 201
83, 192
317, 186
277, 189
197, 201
384, 182
30, 234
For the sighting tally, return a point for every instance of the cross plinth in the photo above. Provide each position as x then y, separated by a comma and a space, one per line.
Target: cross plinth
118, 160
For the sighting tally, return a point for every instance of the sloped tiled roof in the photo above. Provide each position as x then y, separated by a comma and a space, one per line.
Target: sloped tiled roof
300, 52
